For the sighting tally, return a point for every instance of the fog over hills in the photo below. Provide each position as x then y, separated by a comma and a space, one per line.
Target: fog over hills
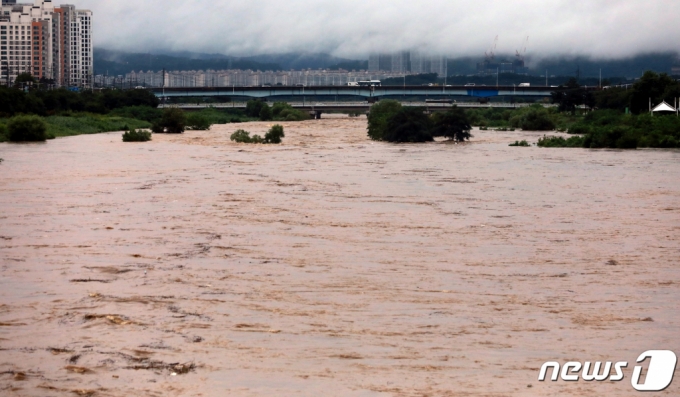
121, 62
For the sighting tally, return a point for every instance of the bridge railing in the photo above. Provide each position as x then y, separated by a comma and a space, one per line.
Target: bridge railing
354, 105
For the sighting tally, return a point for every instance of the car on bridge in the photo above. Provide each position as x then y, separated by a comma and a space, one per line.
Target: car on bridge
470, 85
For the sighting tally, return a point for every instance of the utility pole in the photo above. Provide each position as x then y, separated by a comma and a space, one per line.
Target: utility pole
163, 86
600, 78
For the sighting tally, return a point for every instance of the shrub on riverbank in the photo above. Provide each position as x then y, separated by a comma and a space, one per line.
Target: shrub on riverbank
242, 136
27, 129
174, 121
197, 121
223, 116
534, 118
524, 117
523, 143
136, 136
558, 141
273, 136
282, 111
611, 129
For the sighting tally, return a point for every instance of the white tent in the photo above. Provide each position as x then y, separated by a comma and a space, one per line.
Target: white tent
663, 107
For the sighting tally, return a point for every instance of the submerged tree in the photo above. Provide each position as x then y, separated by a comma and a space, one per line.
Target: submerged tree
378, 117
454, 124
408, 125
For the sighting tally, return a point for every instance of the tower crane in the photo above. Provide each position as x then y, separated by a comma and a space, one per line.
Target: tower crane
520, 57
490, 55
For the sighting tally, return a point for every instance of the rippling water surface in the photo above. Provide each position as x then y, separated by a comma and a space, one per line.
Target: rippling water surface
330, 265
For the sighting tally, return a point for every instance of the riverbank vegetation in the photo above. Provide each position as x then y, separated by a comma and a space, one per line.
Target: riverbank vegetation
390, 121
279, 111
612, 118
273, 136
67, 113
136, 136
27, 129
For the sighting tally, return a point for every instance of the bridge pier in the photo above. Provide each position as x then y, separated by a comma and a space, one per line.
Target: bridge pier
315, 114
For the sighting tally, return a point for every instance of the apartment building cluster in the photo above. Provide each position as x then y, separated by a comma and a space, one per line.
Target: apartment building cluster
407, 62
46, 41
245, 78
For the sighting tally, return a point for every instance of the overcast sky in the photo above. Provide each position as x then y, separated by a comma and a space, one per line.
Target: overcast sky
353, 28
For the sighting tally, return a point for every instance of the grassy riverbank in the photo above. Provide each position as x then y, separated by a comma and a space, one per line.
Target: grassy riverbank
135, 117
81, 124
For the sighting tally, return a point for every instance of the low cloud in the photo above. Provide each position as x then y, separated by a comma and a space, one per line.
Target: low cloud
353, 28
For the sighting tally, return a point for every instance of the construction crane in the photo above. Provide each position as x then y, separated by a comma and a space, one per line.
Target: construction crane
520, 57
490, 55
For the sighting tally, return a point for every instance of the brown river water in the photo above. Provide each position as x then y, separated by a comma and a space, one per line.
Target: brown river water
331, 265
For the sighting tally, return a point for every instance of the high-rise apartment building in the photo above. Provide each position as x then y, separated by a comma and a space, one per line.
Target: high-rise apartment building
408, 62
438, 65
420, 63
47, 42
380, 62
401, 62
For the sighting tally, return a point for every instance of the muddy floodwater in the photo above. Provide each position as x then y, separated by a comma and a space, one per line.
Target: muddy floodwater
331, 265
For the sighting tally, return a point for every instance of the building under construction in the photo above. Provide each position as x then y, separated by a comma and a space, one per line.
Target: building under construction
491, 65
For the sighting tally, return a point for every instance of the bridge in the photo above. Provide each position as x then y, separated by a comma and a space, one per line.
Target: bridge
316, 109
364, 92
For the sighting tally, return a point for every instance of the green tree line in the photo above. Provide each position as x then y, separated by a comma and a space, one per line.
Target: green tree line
390, 121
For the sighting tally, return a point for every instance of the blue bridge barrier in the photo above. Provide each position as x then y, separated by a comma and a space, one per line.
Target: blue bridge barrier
365, 92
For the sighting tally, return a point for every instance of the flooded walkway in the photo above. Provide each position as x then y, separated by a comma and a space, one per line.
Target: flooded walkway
331, 265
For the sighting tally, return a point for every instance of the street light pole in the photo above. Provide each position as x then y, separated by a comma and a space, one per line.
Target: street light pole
600, 78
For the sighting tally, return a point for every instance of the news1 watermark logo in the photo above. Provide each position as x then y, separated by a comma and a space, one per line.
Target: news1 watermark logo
658, 377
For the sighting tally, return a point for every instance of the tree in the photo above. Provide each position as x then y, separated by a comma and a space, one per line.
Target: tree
408, 125
265, 113
254, 107
571, 95
453, 124
24, 78
174, 121
613, 98
378, 116
197, 121
241, 136
536, 118
274, 135
284, 112
27, 129
651, 86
